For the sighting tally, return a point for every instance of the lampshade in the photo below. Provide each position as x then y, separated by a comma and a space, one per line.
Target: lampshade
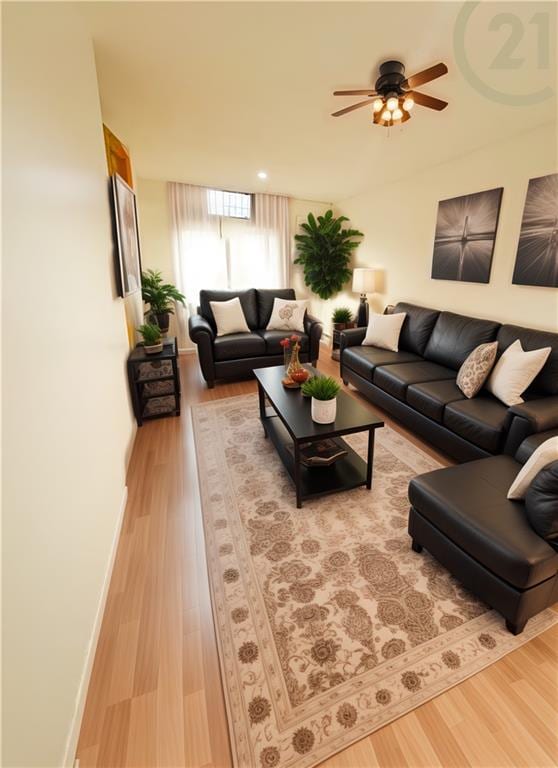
364, 280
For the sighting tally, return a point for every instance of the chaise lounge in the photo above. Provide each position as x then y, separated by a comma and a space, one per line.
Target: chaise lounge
464, 519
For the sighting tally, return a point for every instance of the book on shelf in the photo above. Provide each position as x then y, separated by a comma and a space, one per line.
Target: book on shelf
320, 453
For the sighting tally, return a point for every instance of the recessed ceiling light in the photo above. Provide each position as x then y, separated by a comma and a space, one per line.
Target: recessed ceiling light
262, 175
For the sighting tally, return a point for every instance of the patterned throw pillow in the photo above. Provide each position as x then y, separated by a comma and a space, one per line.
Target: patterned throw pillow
476, 368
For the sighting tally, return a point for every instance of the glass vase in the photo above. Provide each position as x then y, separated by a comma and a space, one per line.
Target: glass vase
294, 364
287, 358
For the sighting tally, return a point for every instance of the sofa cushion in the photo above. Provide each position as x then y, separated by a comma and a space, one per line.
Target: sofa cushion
546, 382
237, 345
363, 360
247, 299
273, 338
265, 298
417, 327
396, 378
431, 397
454, 337
541, 504
468, 504
482, 421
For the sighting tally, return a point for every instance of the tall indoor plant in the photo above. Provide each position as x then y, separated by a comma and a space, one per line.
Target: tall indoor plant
160, 296
324, 252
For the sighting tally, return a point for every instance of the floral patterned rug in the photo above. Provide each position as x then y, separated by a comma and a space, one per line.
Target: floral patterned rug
329, 626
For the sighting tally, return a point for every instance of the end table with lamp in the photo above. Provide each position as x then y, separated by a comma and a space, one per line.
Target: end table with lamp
364, 281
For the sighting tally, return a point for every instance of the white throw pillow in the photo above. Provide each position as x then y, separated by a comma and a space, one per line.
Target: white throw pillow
383, 331
229, 317
287, 315
546, 453
515, 371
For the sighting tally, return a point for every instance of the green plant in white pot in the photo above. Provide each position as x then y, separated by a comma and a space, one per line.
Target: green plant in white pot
152, 338
323, 390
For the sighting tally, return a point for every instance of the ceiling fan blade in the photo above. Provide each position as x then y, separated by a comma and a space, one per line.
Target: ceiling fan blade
427, 101
360, 92
425, 76
353, 106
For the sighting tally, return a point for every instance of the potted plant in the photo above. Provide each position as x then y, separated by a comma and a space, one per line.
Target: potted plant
324, 252
323, 390
342, 318
152, 338
161, 297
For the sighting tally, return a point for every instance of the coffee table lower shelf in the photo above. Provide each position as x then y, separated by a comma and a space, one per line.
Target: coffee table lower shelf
346, 473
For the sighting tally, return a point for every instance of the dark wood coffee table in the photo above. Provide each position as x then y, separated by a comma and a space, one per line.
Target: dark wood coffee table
287, 422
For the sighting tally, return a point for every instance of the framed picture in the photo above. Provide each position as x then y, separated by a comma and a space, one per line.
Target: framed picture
536, 262
127, 256
465, 235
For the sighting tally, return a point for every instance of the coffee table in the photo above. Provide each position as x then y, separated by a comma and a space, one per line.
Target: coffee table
286, 419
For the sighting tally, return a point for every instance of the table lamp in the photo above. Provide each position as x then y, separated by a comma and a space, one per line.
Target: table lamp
364, 281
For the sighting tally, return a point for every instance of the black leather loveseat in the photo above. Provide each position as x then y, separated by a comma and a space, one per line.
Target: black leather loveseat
237, 354
464, 519
417, 383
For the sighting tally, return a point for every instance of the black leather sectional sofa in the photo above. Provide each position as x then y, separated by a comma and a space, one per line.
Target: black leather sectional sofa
417, 383
237, 354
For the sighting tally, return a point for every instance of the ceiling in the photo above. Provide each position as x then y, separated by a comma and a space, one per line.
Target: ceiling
211, 93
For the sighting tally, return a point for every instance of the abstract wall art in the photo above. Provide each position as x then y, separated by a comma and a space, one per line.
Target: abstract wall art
465, 234
536, 262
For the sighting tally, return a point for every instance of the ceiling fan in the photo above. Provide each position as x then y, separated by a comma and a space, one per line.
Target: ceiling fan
393, 95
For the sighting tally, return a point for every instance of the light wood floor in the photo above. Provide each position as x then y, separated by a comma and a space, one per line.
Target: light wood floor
155, 697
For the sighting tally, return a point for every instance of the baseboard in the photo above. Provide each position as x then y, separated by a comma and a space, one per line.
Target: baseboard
186, 350
73, 734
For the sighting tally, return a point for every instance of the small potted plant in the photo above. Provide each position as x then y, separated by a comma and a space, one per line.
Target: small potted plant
323, 390
161, 297
342, 318
152, 338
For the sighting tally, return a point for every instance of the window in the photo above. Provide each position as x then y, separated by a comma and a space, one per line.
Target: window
234, 205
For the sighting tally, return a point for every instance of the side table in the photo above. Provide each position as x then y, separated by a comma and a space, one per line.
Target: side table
155, 382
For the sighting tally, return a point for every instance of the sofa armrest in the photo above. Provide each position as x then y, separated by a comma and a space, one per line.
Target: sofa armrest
530, 418
541, 414
353, 337
198, 325
202, 334
313, 329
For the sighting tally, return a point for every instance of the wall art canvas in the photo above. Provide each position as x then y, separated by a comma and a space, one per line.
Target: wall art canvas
536, 262
128, 267
465, 234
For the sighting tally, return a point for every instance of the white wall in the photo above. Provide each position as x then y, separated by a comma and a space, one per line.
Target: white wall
67, 425
399, 220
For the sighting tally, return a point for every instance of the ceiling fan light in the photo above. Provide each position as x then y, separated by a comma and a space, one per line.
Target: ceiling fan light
408, 104
386, 115
392, 103
377, 105
397, 114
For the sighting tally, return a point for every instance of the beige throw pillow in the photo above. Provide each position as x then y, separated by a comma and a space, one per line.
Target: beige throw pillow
545, 454
229, 317
475, 369
384, 331
515, 371
288, 315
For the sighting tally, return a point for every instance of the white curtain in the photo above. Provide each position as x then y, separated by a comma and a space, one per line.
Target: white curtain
215, 253
199, 253
259, 249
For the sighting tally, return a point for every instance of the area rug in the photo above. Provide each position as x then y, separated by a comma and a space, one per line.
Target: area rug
329, 626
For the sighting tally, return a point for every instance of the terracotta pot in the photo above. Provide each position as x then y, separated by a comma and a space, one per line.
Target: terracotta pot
323, 411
